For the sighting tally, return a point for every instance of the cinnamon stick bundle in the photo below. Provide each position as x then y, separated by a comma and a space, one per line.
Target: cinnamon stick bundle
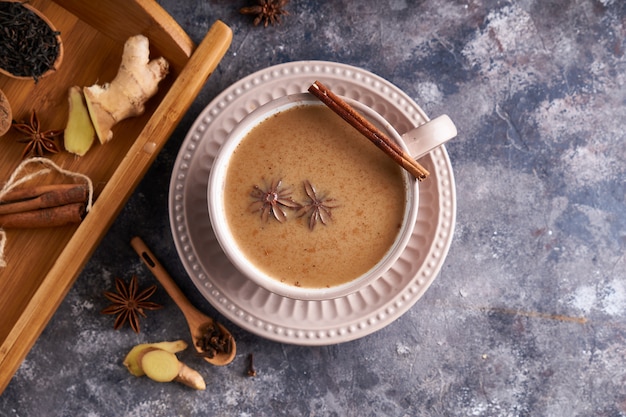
371, 132
43, 197
43, 206
46, 217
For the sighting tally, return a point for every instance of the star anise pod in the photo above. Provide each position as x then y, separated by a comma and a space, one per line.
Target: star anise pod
37, 142
272, 200
318, 207
266, 11
129, 303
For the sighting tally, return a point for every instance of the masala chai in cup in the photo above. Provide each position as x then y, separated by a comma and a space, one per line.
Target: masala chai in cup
306, 206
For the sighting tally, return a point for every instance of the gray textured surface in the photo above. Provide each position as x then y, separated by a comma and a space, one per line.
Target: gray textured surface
528, 315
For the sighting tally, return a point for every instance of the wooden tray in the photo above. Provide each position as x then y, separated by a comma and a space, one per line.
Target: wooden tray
42, 264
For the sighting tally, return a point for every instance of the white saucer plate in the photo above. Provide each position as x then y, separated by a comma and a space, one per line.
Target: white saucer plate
272, 316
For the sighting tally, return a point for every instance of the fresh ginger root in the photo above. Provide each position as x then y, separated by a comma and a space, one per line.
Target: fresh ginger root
158, 362
136, 81
79, 133
132, 359
163, 366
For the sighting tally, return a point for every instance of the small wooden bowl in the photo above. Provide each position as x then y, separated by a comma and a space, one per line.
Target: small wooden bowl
6, 114
58, 60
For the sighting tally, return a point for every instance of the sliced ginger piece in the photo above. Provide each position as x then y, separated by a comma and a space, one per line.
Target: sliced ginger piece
136, 81
159, 362
131, 361
163, 366
79, 133
160, 365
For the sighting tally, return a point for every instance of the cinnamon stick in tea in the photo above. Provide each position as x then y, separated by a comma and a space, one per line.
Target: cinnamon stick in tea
41, 197
47, 217
371, 132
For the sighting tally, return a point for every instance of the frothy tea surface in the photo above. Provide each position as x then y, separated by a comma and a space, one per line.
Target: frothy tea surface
361, 190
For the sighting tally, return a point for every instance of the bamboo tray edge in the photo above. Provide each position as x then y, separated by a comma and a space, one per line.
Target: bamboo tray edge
131, 168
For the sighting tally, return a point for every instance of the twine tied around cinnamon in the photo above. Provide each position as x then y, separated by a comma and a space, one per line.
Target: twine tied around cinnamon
22, 175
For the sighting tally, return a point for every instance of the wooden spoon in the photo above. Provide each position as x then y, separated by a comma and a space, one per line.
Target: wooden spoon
197, 321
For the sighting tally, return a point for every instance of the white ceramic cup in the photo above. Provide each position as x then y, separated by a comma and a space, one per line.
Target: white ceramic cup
417, 142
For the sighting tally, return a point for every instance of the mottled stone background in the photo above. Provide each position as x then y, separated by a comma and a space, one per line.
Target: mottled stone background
528, 314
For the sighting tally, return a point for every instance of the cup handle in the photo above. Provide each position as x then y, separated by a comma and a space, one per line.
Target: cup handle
429, 136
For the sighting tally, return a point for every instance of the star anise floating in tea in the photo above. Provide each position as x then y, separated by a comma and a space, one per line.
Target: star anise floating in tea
37, 142
129, 303
266, 11
272, 200
317, 208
